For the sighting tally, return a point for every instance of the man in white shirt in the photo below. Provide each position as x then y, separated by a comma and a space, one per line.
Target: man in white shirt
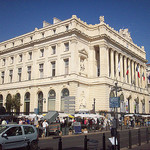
45, 125
4, 122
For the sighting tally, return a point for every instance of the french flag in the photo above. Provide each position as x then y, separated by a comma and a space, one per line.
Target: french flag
143, 76
127, 71
137, 69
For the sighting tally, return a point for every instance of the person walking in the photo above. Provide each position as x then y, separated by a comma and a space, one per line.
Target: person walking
4, 122
45, 125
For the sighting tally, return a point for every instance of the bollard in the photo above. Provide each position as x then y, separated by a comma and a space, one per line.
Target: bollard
130, 140
147, 135
60, 144
65, 130
104, 143
121, 126
139, 137
85, 142
118, 140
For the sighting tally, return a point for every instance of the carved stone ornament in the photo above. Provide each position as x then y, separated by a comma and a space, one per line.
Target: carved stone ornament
101, 18
82, 65
125, 33
83, 52
82, 101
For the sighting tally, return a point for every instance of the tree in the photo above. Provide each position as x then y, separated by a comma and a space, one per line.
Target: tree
13, 103
8, 103
16, 103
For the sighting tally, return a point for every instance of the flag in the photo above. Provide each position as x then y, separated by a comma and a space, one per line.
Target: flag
143, 76
127, 71
137, 69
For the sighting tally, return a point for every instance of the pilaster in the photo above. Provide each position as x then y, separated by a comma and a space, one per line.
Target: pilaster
92, 68
73, 65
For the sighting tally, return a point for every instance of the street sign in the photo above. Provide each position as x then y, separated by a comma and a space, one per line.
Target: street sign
114, 102
69, 104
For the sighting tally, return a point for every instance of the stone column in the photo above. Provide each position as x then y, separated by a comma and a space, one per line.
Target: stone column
92, 68
136, 75
144, 84
112, 64
117, 72
129, 76
133, 80
104, 60
121, 68
125, 68
140, 76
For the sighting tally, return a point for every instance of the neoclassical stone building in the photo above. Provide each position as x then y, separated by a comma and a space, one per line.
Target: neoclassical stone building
76, 59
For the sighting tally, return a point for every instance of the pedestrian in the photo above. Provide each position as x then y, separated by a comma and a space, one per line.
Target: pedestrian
45, 125
20, 121
4, 122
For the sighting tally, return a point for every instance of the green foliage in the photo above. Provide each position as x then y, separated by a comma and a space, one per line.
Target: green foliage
13, 103
8, 103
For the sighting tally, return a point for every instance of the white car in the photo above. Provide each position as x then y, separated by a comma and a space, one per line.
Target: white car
14, 136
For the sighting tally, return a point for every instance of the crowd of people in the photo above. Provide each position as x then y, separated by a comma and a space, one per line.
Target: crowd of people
87, 123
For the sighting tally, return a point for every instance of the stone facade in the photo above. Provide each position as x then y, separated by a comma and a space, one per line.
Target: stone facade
73, 58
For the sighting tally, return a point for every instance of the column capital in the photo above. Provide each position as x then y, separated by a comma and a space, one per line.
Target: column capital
73, 41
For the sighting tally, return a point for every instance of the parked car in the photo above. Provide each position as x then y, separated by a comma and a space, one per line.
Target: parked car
13, 136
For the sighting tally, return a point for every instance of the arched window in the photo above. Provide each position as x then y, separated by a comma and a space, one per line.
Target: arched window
143, 105
27, 103
1, 100
40, 102
51, 100
136, 105
64, 93
111, 95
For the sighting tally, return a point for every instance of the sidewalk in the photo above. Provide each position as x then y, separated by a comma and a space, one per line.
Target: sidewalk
144, 146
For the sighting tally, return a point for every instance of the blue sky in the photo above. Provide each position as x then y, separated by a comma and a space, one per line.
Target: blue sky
18, 17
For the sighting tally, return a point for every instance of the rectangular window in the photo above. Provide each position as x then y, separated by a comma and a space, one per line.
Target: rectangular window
53, 68
41, 70
53, 49
19, 73
30, 55
42, 53
20, 58
54, 30
4, 62
29, 72
11, 75
11, 60
67, 28
2, 76
66, 46
66, 61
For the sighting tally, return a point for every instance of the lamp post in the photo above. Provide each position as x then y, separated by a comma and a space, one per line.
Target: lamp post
117, 89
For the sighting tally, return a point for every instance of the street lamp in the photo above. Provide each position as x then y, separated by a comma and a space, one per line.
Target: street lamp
116, 104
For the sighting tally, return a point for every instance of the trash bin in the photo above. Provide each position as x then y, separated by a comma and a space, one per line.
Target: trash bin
92, 145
